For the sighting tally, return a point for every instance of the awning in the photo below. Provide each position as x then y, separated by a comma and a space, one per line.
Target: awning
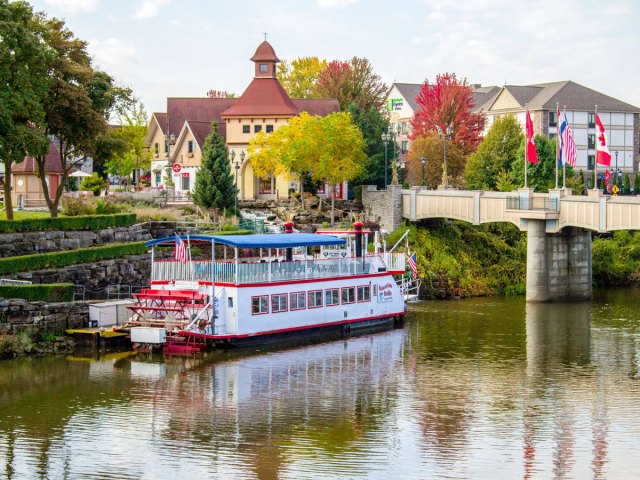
80, 174
277, 240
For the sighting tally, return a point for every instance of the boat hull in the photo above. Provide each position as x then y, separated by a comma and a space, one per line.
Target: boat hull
312, 334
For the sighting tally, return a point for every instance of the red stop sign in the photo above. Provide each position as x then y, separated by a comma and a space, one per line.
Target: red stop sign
176, 168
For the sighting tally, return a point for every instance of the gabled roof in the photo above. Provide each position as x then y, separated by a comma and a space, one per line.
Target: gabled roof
317, 106
545, 96
201, 130
52, 163
265, 53
161, 118
179, 110
484, 96
410, 92
263, 96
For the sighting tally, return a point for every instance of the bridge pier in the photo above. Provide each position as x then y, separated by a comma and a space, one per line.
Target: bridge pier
558, 264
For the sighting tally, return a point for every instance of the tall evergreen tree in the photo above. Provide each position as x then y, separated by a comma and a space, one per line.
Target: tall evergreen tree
214, 186
372, 124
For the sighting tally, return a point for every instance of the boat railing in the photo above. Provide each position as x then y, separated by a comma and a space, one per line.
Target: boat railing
395, 261
258, 272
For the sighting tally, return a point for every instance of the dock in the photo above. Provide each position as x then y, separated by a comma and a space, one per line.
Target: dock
98, 337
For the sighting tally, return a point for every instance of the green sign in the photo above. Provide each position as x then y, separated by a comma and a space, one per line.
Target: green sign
395, 104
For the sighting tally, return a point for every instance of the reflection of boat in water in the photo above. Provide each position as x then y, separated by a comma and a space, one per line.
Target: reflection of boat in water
247, 297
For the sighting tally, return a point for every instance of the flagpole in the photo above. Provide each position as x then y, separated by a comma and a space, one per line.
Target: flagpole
190, 262
557, 139
526, 112
564, 162
595, 157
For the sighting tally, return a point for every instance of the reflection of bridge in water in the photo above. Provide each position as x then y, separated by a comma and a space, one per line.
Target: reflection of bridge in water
558, 226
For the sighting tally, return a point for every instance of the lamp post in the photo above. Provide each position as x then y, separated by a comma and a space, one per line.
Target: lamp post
423, 160
170, 139
444, 134
385, 138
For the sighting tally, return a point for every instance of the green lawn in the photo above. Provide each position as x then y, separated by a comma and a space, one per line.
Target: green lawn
23, 215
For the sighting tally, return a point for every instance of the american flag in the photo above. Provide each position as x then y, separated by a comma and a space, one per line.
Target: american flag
568, 144
180, 252
413, 265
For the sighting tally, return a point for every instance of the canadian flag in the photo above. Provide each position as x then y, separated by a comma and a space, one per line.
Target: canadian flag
532, 156
603, 157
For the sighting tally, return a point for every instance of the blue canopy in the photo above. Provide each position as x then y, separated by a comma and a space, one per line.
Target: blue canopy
277, 240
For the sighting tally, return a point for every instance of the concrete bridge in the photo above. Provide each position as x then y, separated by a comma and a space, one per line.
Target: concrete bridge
558, 226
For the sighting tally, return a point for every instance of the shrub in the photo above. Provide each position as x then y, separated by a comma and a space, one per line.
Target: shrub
94, 184
25, 263
49, 292
82, 222
75, 206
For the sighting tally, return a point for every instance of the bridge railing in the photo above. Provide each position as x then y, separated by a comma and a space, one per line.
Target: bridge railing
533, 203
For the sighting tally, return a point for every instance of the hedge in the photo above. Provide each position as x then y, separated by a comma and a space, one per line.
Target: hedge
25, 263
44, 292
82, 222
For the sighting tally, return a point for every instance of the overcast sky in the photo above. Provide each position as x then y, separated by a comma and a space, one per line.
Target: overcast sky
164, 48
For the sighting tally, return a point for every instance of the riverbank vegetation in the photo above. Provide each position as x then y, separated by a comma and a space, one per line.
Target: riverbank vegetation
456, 259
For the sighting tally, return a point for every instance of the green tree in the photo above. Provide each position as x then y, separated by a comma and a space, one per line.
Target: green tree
636, 183
627, 184
495, 155
214, 187
299, 78
541, 176
342, 155
432, 149
108, 146
23, 85
372, 123
79, 102
132, 131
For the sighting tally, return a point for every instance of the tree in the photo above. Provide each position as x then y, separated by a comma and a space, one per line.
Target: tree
432, 148
448, 103
627, 184
293, 149
350, 82
77, 106
327, 148
342, 155
108, 146
495, 155
132, 131
23, 85
372, 124
541, 176
214, 187
636, 183
299, 79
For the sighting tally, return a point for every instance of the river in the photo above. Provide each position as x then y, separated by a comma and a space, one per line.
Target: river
479, 388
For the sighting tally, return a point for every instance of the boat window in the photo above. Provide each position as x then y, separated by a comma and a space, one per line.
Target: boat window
331, 297
348, 295
230, 302
260, 305
279, 303
297, 301
315, 299
364, 293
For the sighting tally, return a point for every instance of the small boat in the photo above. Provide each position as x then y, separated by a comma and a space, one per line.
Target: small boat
247, 290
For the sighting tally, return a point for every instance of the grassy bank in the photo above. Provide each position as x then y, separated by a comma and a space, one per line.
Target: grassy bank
458, 259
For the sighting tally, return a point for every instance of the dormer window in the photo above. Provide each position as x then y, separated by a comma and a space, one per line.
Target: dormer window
190, 146
264, 68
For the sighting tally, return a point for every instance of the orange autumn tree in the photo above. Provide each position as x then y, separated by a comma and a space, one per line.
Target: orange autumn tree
448, 103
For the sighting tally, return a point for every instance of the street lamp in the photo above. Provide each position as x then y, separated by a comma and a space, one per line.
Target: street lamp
423, 160
385, 138
444, 134
390, 136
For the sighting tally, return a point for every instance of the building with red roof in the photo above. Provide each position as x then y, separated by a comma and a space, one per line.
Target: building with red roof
176, 137
26, 188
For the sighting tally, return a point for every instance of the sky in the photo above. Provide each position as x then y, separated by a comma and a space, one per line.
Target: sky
184, 48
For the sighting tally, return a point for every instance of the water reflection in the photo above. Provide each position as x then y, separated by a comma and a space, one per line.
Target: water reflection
485, 388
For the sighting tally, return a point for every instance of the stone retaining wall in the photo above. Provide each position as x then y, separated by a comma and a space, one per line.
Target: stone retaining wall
383, 207
40, 317
28, 243
130, 270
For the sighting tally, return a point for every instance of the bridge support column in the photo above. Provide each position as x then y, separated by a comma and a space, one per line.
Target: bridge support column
558, 265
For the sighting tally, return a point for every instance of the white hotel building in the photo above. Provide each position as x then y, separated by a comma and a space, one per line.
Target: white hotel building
621, 120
